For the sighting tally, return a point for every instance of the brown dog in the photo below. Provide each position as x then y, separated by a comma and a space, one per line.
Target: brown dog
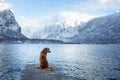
43, 59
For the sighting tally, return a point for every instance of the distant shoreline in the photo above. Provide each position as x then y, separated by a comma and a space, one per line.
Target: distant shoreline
30, 41
47, 41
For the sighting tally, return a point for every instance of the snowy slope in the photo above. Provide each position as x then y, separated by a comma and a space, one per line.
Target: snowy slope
56, 32
9, 28
100, 30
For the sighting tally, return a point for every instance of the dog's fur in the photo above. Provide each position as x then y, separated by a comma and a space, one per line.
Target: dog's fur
43, 59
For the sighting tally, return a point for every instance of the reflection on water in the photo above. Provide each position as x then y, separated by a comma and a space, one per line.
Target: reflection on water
89, 62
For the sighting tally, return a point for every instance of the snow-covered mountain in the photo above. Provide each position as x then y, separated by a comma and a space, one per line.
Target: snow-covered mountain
9, 27
98, 30
57, 32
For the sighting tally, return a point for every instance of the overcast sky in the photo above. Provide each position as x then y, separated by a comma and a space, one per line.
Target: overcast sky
35, 8
36, 13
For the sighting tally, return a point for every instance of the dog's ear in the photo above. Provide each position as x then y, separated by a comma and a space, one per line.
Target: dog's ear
45, 50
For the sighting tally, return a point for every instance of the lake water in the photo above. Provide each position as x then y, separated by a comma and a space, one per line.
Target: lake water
77, 61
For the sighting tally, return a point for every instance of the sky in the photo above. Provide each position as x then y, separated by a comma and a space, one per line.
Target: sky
35, 14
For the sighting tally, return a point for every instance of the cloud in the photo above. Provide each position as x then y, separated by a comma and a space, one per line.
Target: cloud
31, 25
73, 18
28, 25
108, 1
105, 4
4, 6
105, 1
1, 0
108, 6
96, 7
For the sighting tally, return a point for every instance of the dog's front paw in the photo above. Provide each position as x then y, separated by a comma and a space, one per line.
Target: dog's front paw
50, 69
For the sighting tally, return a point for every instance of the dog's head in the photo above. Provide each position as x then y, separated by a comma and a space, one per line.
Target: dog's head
46, 50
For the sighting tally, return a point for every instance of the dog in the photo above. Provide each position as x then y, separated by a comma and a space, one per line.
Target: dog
43, 59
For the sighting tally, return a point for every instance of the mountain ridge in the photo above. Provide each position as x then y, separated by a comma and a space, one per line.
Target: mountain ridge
9, 27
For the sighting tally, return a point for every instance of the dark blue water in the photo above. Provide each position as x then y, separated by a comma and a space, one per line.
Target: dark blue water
88, 62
